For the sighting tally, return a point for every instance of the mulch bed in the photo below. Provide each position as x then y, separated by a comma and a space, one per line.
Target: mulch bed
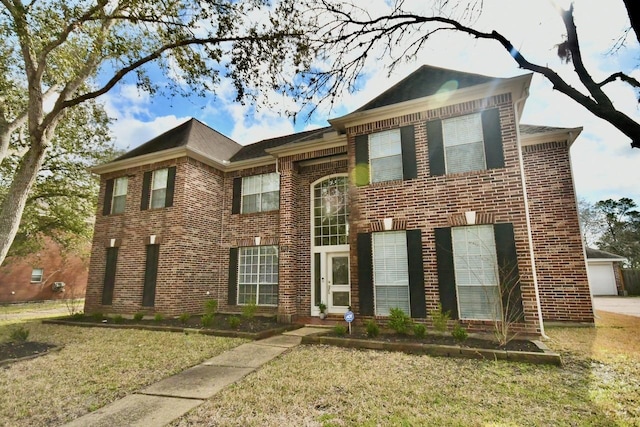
17, 350
513, 345
256, 324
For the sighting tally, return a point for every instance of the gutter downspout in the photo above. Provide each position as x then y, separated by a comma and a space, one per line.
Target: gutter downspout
526, 209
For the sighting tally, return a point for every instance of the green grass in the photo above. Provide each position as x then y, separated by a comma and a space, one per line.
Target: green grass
95, 367
320, 385
31, 306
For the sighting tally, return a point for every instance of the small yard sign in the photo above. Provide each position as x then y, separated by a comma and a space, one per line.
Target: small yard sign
349, 316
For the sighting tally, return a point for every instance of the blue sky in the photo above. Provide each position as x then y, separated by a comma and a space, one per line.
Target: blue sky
604, 165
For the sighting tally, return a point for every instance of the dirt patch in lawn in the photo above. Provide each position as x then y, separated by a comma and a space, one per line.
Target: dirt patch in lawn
10, 351
471, 342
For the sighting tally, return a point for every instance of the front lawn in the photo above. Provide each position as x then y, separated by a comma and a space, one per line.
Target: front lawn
94, 367
327, 386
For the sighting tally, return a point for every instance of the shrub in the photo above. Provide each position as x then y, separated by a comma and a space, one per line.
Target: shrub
373, 330
249, 310
207, 319
97, 316
234, 321
419, 330
138, 316
459, 333
184, 318
399, 321
19, 334
118, 319
159, 317
211, 306
440, 319
77, 315
340, 330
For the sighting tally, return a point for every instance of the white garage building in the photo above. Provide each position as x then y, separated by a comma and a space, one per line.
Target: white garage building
603, 269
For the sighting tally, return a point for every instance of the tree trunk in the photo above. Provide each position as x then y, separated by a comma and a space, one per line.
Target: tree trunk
13, 204
633, 10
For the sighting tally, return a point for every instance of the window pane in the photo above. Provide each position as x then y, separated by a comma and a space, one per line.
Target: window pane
270, 201
118, 204
463, 142
270, 182
250, 203
251, 184
120, 186
157, 198
390, 272
386, 168
340, 299
479, 302
160, 178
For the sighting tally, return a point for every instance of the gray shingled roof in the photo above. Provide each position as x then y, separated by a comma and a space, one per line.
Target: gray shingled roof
597, 253
193, 134
257, 149
425, 81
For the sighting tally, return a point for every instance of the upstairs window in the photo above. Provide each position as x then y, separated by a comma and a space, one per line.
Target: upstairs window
157, 188
119, 198
258, 193
385, 156
464, 144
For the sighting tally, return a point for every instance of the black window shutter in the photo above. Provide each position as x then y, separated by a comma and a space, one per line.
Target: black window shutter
409, 163
416, 274
362, 160
171, 186
108, 195
446, 272
146, 188
237, 195
150, 276
436, 147
109, 276
509, 273
492, 135
233, 277
365, 274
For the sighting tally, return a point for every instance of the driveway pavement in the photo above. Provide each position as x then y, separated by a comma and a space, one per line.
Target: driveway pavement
621, 305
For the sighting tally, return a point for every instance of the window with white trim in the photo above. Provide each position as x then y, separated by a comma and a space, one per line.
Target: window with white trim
261, 193
119, 197
476, 272
390, 272
159, 188
385, 156
258, 275
464, 143
36, 275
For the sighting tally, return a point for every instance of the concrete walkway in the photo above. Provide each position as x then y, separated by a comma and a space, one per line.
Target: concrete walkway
621, 305
164, 401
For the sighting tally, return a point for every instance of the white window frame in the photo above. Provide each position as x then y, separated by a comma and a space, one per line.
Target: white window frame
380, 274
119, 191
160, 186
450, 140
476, 268
263, 182
257, 273
41, 270
390, 140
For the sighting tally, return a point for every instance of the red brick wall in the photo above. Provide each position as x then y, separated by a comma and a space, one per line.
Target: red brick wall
560, 263
429, 202
70, 268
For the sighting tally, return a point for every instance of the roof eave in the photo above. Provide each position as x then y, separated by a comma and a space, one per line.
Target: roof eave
160, 156
307, 146
569, 135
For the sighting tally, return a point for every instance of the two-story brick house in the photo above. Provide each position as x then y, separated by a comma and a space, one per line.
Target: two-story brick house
432, 193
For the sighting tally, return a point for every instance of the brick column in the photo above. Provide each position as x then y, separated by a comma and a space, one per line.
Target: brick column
287, 286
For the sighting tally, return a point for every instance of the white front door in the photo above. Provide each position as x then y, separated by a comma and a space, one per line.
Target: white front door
338, 288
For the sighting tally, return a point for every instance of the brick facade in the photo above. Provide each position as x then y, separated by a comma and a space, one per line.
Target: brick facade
200, 231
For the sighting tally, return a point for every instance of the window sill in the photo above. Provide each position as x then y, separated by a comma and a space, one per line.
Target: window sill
256, 213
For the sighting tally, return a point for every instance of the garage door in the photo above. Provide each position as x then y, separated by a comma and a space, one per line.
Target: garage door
602, 279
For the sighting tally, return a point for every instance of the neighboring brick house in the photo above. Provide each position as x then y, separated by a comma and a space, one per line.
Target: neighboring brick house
38, 276
432, 193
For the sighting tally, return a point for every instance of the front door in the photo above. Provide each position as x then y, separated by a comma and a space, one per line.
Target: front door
338, 288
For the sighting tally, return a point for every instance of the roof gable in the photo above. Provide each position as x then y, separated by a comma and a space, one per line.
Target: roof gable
425, 81
192, 134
